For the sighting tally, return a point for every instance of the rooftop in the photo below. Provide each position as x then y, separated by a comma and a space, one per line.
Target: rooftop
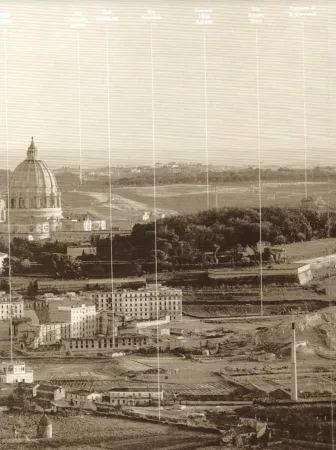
49, 387
136, 389
82, 392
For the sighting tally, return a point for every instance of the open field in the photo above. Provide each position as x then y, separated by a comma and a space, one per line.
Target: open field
188, 198
310, 249
130, 202
125, 211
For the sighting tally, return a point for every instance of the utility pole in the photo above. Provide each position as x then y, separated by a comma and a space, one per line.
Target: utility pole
294, 393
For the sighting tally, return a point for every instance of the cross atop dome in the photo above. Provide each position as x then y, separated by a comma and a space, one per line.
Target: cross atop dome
32, 145
31, 153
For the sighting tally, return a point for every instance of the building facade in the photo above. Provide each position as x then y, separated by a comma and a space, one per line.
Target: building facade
80, 320
49, 333
50, 392
100, 344
84, 222
81, 398
106, 321
134, 396
11, 306
15, 372
143, 304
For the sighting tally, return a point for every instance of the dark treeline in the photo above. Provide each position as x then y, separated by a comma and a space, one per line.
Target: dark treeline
180, 241
186, 175
188, 237
251, 175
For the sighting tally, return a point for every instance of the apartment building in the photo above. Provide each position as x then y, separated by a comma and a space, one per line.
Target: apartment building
11, 306
80, 320
133, 396
148, 303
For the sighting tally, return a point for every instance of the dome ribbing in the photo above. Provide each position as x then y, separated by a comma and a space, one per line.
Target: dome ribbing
33, 185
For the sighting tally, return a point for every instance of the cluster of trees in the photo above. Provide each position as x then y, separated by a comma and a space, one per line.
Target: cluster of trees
39, 257
31, 250
180, 240
185, 238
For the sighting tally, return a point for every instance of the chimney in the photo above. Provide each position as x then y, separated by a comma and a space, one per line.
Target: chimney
294, 393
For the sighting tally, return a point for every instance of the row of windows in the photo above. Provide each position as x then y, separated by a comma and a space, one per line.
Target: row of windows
131, 301
105, 343
141, 306
8, 305
138, 294
130, 394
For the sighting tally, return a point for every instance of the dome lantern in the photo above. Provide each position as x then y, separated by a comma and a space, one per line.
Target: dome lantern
32, 150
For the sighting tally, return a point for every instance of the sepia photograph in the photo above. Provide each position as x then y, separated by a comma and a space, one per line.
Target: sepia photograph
167, 224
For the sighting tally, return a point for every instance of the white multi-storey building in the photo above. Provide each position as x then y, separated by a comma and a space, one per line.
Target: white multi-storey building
15, 372
143, 304
11, 306
80, 320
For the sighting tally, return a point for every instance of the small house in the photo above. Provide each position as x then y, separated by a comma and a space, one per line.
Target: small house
50, 392
29, 388
82, 398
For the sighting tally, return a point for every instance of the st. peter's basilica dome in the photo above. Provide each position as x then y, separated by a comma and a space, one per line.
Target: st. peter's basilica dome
33, 189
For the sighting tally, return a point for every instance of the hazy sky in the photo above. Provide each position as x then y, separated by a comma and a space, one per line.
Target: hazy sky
42, 83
